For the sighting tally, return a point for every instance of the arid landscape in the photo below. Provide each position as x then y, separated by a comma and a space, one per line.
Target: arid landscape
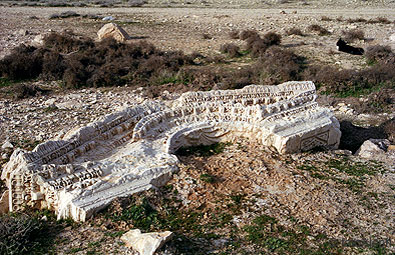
227, 198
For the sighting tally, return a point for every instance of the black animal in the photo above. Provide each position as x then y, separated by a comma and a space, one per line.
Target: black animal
343, 46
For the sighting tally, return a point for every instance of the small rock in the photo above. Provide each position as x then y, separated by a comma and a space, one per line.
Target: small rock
38, 41
23, 32
147, 243
108, 18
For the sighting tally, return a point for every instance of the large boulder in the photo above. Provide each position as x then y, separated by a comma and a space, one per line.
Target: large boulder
147, 243
112, 30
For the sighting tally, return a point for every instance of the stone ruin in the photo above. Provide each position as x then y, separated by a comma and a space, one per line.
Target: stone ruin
132, 150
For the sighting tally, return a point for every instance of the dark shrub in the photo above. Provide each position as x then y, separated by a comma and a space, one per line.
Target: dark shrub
319, 29
246, 34
53, 66
24, 62
17, 234
378, 53
295, 31
352, 35
231, 49
234, 34
66, 42
326, 18
271, 38
207, 36
356, 20
279, 65
21, 91
381, 20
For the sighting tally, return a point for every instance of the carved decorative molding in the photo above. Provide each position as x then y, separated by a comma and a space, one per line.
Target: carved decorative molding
132, 150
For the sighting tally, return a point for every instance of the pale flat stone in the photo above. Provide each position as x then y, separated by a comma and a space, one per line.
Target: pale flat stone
147, 243
112, 30
132, 150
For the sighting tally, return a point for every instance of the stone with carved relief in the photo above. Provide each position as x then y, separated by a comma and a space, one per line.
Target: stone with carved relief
133, 149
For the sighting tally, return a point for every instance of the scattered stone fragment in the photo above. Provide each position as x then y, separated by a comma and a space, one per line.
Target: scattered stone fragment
7, 145
147, 243
112, 30
23, 32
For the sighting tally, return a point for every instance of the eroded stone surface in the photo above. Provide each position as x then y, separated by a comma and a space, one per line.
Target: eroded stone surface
132, 150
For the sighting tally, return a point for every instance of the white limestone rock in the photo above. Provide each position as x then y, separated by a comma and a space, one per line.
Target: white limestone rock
112, 30
377, 149
132, 149
147, 243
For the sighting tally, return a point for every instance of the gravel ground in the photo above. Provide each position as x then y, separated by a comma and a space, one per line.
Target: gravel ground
286, 190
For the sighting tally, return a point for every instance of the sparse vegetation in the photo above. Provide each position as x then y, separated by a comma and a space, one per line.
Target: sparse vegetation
231, 49
319, 29
295, 31
202, 150
354, 34
27, 233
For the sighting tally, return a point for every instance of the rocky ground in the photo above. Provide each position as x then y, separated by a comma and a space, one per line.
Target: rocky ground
217, 201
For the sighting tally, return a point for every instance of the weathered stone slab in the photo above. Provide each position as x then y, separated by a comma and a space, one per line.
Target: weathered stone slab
132, 150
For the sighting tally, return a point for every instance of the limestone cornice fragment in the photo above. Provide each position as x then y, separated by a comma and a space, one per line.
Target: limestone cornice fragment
133, 149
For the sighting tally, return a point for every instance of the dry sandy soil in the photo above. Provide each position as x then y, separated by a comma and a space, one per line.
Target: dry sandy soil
248, 180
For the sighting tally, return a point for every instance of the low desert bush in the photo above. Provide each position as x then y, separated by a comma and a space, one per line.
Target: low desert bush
294, 31
21, 91
280, 65
66, 42
321, 30
326, 18
234, 34
19, 234
380, 20
231, 49
353, 34
81, 62
245, 34
378, 53
24, 62
258, 45
356, 20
